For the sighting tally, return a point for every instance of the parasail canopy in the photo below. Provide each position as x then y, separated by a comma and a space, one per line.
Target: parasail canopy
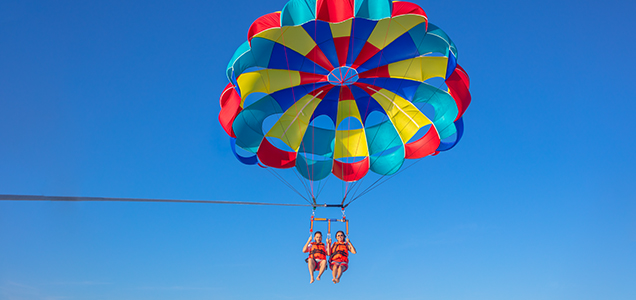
343, 87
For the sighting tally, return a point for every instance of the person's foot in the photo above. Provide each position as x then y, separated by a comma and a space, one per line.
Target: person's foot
334, 280
311, 280
318, 277
337, 280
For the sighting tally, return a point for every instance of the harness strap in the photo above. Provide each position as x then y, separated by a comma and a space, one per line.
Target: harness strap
340, 251
315, 250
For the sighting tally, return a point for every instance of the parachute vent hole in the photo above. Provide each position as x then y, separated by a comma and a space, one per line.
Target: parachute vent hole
375, 118
252, 98
243, 152
437, 82
270, 121
420, 133
451, 139
280, 144
387, 151
323, 122
316, 157
350, 123
427, 109
350, 160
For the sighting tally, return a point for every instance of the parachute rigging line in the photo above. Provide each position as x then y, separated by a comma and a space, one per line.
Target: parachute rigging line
287, 184
107, 199
309, 193
373, 186
323, 187
359, 183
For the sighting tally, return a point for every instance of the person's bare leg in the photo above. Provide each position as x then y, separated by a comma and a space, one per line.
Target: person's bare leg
333, 273
323, 266
339, 274
312, 266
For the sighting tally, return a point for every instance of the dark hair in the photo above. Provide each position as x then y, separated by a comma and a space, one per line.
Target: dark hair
317, 232
343, 234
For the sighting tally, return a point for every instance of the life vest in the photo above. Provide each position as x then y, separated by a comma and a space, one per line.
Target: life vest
317, 251
340, 252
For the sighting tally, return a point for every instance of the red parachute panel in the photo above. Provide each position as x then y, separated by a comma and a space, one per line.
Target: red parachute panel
351, 171
458, 83
273, 157
230, 108
263, 23
425, 146
334, 11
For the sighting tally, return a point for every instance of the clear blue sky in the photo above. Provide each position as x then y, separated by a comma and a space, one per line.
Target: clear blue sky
120, 99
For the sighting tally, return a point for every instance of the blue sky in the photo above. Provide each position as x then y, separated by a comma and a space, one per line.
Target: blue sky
120, 99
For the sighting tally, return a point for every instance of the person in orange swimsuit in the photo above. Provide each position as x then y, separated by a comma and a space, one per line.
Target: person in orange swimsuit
339, 260
317, 260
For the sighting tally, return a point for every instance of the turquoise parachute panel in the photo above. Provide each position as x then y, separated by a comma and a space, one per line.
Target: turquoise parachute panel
262, 51
389, 163
318, 141
258, 56
445, 108
383, 140
315, 157
381, 137
427, 42
297, 12
243, 63
436, 32
245, 47
374, 9
313, 169
248, 125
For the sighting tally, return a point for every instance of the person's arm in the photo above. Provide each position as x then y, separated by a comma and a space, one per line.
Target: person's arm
328, 247
306, 247
352, 249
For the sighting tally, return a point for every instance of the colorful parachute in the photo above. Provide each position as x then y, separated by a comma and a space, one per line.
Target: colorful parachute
349, 87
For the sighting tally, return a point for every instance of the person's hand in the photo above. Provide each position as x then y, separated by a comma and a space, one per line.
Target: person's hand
347, 239
328, 241
309, 240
